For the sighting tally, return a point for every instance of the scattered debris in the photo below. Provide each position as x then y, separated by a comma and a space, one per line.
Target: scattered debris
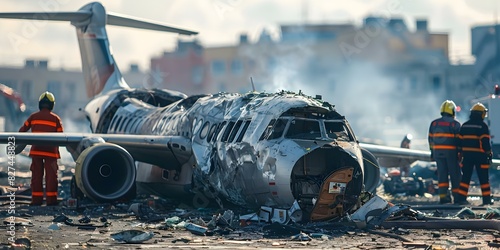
132, 236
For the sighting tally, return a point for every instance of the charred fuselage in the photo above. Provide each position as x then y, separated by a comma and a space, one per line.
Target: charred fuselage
253, 149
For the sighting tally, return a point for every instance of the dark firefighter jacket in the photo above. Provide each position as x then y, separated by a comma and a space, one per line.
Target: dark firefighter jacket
43, 121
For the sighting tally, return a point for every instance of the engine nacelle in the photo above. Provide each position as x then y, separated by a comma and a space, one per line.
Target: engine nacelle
105, 172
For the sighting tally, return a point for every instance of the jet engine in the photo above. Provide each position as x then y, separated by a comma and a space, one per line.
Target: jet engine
105, 172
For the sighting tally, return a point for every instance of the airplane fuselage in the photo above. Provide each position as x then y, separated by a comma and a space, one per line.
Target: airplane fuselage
252, 149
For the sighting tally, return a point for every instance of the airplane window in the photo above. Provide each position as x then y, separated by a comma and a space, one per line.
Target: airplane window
268, 130
234, 130
303, 129
212, 132
228, 129
278, 129
204, 130
219, 130
197, 126
245, 127
337, 130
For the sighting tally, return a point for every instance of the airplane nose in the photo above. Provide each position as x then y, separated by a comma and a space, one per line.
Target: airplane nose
326, 182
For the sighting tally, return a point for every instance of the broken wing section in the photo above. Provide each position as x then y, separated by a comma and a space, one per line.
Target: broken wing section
395, 157
105, 164
168, 152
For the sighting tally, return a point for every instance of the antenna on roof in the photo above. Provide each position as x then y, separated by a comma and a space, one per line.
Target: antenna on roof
253, 86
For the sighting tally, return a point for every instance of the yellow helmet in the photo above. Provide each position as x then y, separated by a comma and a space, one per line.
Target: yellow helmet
479, 107
448, 107
46, 100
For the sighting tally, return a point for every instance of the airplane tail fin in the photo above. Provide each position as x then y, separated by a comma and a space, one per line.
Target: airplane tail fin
98, 65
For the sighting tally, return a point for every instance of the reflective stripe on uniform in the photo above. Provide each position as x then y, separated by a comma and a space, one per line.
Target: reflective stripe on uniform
462, 192
486, 193
42, 122
444, 147
487, 185
51, 193
443, 184
485, 166
465, 185
37, 194
442, 135
468, 149
42, 153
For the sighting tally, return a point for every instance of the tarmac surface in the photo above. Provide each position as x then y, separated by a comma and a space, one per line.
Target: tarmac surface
159, 224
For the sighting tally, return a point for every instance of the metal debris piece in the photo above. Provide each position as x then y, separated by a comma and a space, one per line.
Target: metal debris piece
60, 218
84, 220
17, 221
374, 207
21, 243
301, 237
132, 236
172, 221
196, 229
466, 213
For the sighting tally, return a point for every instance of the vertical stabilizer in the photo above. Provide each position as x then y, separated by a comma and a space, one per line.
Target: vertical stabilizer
98, 65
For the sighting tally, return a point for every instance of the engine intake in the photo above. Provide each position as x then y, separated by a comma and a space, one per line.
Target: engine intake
105, 172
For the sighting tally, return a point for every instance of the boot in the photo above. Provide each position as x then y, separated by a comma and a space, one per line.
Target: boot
487, 200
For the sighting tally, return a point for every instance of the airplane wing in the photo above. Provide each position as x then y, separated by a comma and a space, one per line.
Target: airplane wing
395, 157
163, 151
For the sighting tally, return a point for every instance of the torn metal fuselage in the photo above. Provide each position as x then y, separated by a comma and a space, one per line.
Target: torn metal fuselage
253, 150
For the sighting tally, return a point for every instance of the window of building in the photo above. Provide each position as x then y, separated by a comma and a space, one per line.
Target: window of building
197, 75
71, 87
236, 67
218, 67
55, 88
436, 82
27, 90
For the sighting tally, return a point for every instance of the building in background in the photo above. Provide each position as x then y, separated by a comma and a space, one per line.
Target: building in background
485, 46
182, 69
68, 86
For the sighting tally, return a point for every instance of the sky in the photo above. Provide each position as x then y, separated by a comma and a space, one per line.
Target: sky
220, 22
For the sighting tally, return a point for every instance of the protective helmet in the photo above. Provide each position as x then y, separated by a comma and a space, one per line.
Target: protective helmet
448, 107
479, 107
46, 100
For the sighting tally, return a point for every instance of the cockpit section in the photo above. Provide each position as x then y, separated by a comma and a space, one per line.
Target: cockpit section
307, 129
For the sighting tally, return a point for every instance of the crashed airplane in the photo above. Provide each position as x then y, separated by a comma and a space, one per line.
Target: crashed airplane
254, 149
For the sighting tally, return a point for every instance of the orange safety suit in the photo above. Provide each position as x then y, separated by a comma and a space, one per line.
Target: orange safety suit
44, 157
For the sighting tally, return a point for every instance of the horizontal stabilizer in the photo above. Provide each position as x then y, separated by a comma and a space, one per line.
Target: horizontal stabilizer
127, 21
115, 19
72, 16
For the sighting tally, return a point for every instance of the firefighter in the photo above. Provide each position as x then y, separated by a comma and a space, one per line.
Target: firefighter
476, 151
443, 142
404, 163
44, 157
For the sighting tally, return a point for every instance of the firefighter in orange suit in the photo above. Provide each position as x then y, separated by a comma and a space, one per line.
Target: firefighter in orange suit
44, 157
443, 142
476, 151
